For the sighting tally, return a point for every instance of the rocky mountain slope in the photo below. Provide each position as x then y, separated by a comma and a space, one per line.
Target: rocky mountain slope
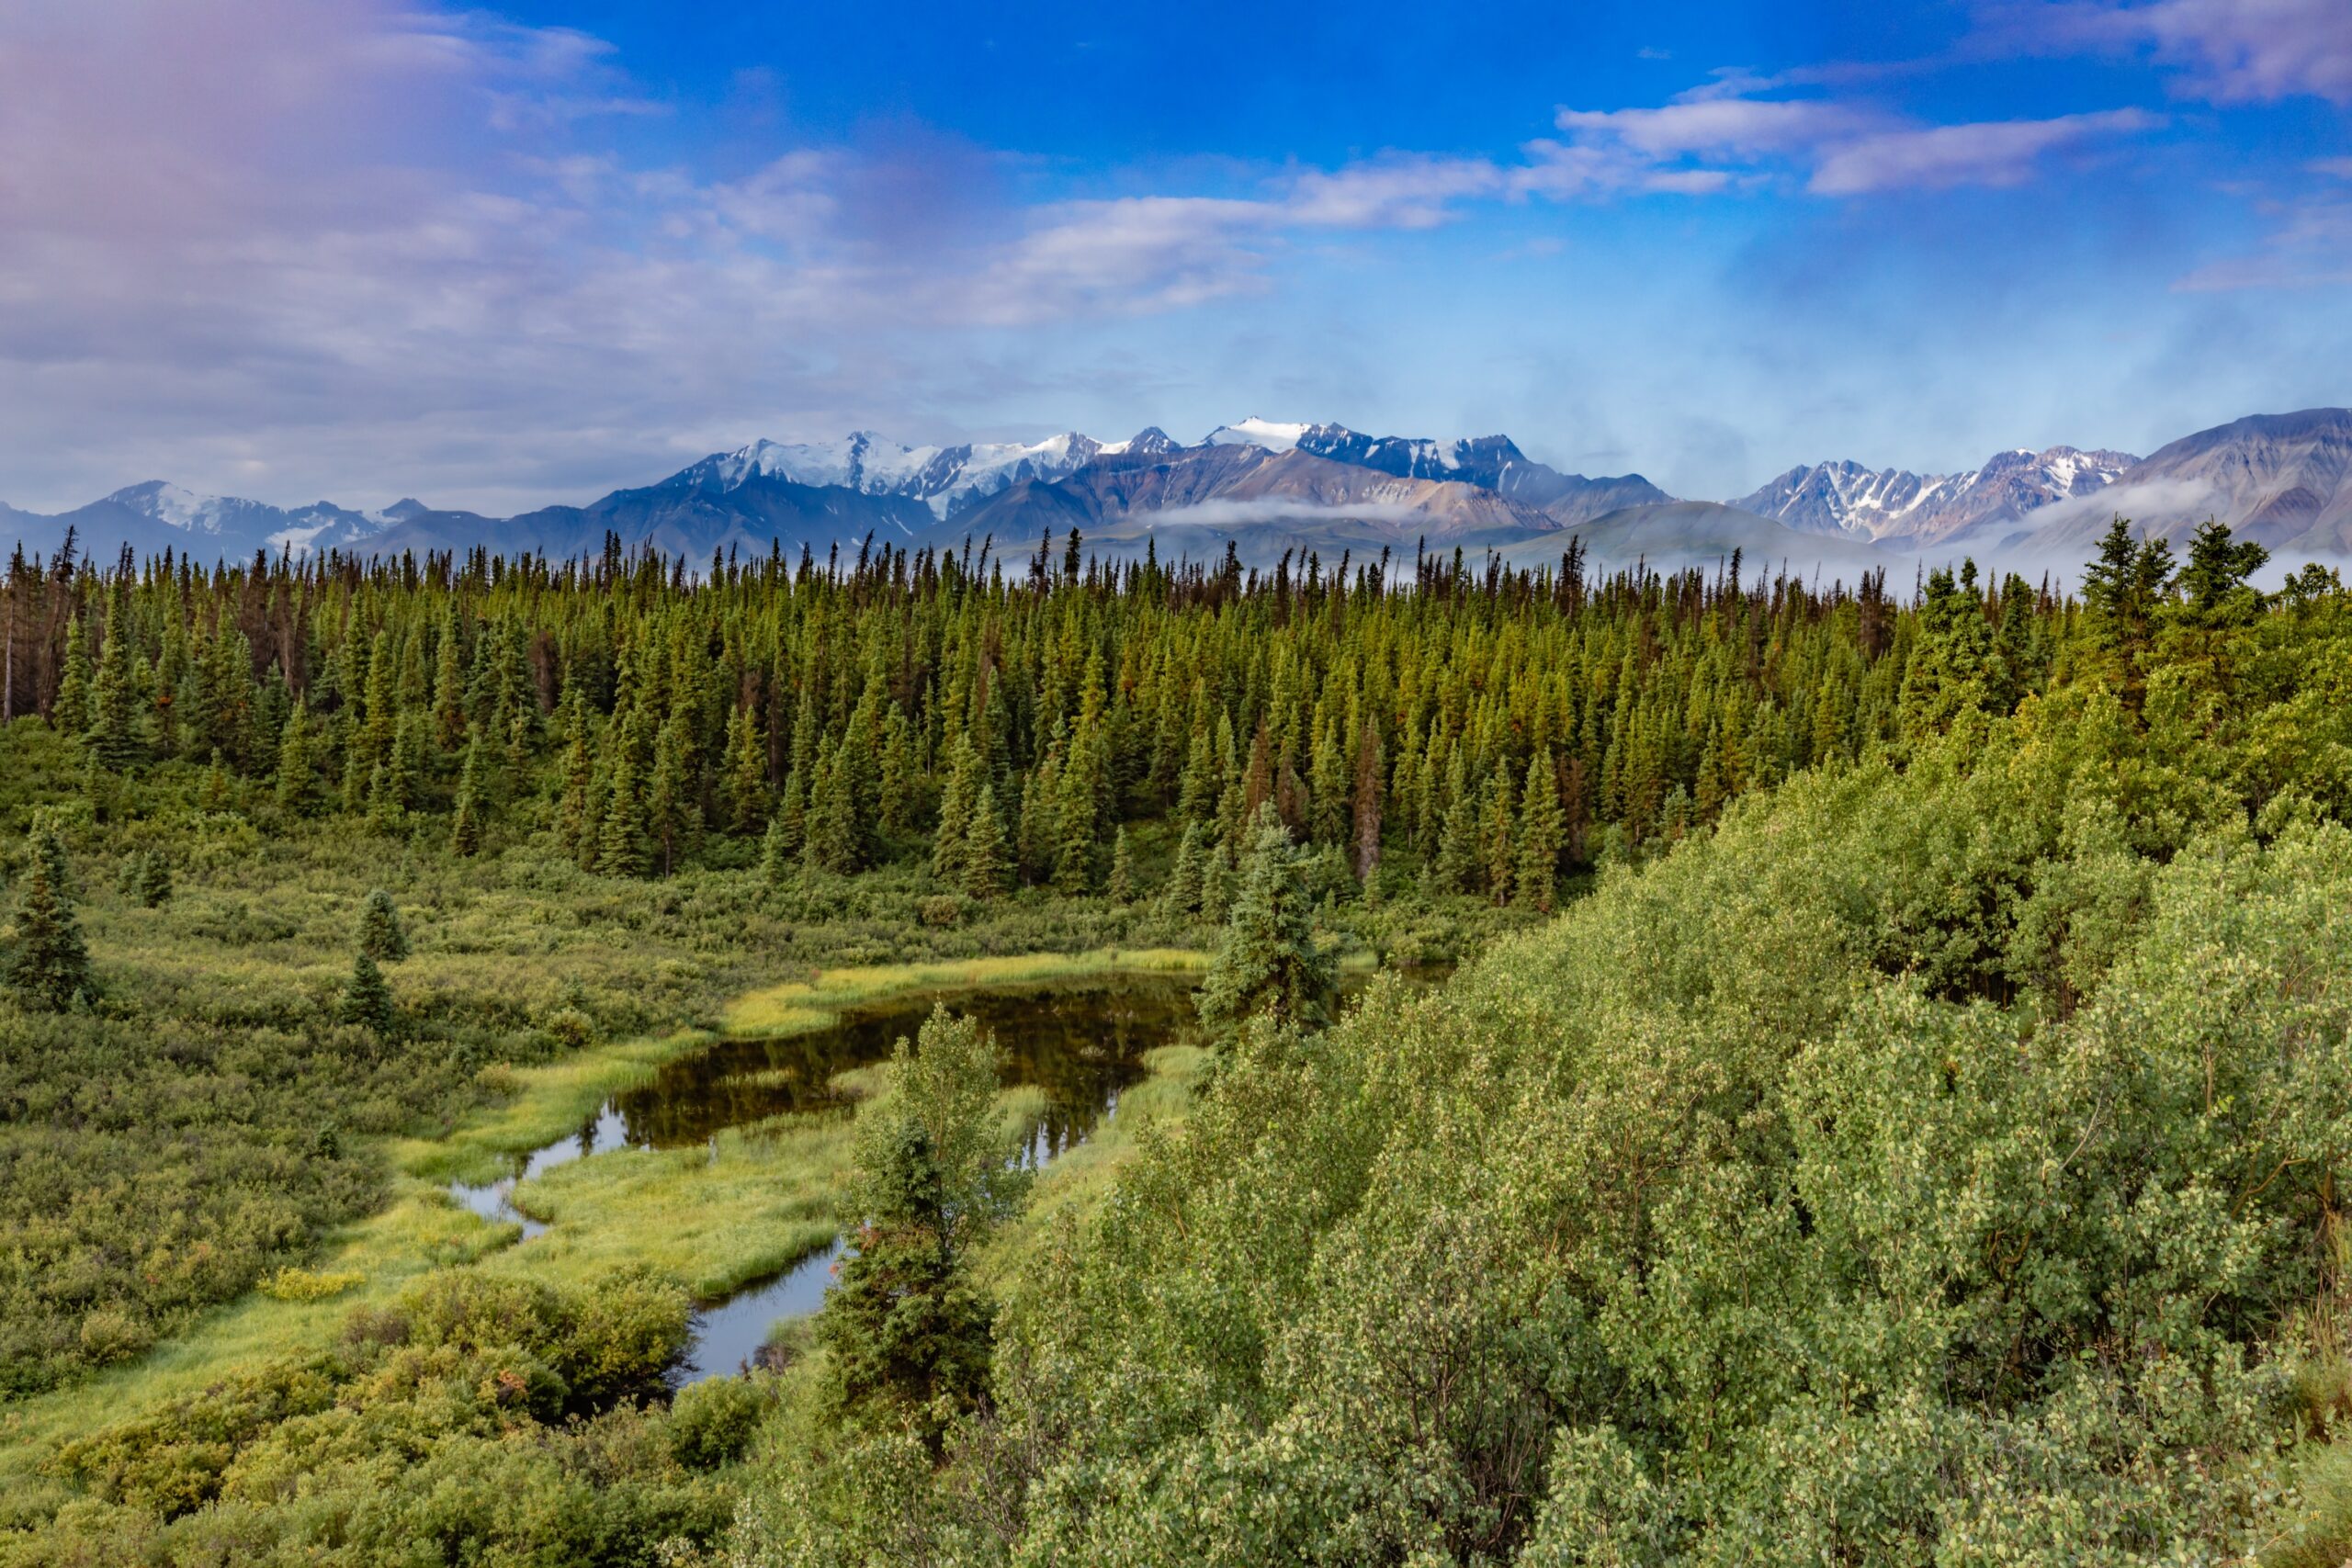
1894, 504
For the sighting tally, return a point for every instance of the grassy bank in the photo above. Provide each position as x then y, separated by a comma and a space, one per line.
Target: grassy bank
801, 1007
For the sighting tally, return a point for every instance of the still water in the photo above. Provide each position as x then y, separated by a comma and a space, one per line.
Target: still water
1082, 1043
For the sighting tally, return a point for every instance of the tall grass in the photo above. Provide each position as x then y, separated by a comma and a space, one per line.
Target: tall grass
801, 1007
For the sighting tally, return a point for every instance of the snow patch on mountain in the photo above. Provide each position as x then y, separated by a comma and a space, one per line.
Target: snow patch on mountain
1273, 435
946, 478
1844, 497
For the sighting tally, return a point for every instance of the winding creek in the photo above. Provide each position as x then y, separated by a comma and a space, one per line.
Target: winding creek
1082, 1043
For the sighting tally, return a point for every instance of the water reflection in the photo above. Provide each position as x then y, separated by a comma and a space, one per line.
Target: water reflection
1081, 1044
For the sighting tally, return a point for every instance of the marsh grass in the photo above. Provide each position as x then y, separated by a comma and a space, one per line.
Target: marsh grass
419, 1231
800, 1007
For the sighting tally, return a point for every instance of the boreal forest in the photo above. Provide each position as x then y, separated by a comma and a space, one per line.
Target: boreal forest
937, 1058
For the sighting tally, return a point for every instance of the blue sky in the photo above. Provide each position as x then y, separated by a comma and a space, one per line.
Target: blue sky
497, 257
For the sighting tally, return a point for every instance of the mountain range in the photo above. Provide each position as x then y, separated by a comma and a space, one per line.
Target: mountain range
1265, 487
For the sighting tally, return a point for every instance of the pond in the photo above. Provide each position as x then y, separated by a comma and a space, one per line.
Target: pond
1080, 1043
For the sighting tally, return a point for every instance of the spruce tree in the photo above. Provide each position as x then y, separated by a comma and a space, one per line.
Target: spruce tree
448, 685
673, 812
1183, 895
620, 839
747, 774
1457, 849
1543, 833
833, 829
150, 880
1499, 855
298, 779
954, 825
1268, 964
1364, 803
898, 788
790, 824
381, 935
778, 858
70, 710
368, 1000
576, 822
1122, 885
50, 968
905, 1331
465, 826
113, 738
987, 856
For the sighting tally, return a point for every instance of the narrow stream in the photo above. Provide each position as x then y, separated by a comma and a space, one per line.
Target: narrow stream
1080, 1042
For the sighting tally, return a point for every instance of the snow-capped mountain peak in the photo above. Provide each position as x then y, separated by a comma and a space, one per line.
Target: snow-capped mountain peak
1273, 435
169, 503
1895, 503
946, 478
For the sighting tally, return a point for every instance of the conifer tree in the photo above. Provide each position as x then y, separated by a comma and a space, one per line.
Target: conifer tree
897, 786
113, 739
465, 826
1122, 884
988, 857
778, 856
1218, 875
1183, 894
834, 836
576, 823
298, 784
381, 935
955, 801
1457, 850
1364, 807
70, 710
150, 880
368, 1000
50, 966
1499, 855
620, 838
791, 820
1267, 963
1326, 782
404, 764
214, 795
672, 813
906, 1332
1543, 833
747, 774
448, 685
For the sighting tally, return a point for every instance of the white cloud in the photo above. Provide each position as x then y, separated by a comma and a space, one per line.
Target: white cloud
1998, 153
2228, 51
1721, 135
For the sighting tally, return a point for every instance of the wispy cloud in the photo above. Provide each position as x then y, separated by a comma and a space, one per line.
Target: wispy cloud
1996, 152
1721, 135
2224, 50
2308, 246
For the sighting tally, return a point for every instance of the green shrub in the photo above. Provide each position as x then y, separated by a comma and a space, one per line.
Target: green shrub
713, 1422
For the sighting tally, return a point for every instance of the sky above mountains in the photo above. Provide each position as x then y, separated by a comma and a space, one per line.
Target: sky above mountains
295, 248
